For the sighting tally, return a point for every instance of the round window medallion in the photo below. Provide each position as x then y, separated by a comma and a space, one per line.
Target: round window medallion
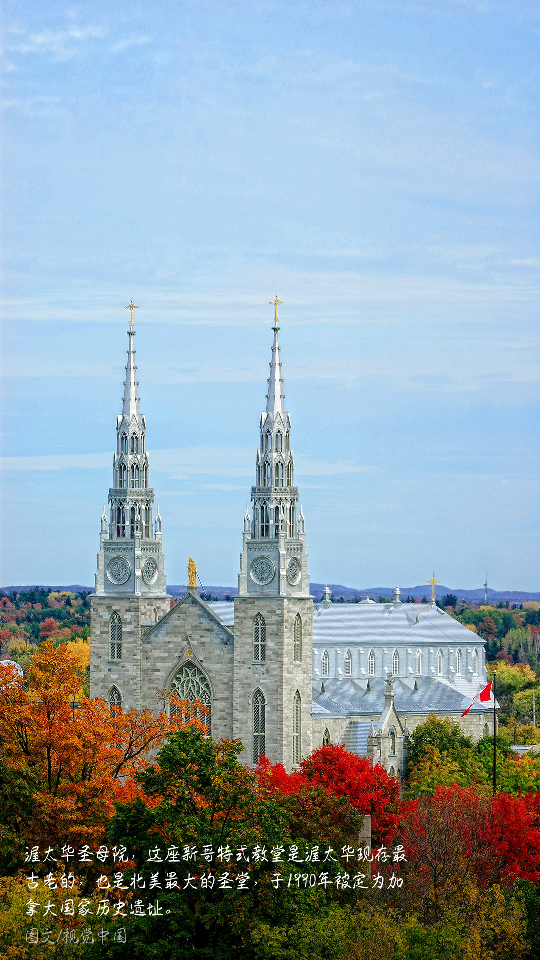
263, 570
119, 570
294, 571
150, 570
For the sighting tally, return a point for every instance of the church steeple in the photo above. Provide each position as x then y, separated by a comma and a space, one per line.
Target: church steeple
274, 561
130, 560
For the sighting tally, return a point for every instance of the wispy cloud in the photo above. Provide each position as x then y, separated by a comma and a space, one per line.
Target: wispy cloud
133, 40
63, 44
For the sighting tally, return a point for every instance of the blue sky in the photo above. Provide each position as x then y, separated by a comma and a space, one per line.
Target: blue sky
374, 163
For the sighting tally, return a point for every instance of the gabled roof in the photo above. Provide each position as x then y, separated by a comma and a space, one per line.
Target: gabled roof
190, 597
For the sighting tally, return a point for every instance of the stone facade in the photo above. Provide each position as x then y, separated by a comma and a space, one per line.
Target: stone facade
273, 671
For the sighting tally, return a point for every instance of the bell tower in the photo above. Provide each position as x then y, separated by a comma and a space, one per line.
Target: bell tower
273, 619
130, 580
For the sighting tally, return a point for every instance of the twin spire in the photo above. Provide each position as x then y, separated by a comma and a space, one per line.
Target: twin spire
275, 396
131, 404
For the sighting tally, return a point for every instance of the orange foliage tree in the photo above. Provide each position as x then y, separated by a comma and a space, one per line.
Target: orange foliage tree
78, 757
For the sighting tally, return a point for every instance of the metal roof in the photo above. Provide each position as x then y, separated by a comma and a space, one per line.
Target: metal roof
349, 697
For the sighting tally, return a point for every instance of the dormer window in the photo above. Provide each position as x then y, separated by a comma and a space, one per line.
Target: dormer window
458, 663
325, 664
418, 662
348, 664
371, 664
395, 663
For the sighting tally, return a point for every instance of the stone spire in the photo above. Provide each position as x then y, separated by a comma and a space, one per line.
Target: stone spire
130, 561
131, 406
275, 398
274, 561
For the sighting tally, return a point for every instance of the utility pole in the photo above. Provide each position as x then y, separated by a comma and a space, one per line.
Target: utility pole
494, 734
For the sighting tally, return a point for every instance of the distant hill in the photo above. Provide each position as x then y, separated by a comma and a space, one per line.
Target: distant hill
338, 592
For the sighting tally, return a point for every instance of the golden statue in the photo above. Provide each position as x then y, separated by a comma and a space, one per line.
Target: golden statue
433, 581
192, 572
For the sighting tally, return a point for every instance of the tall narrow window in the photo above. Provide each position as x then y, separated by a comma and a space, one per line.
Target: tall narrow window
326, 738
268, 441
395, 663
298, 637
458, 663
120, 522
278, 474
115, 699
297, 729
371, 664
259, 639
325, 664
265, 524
134, 443
115, 637
134, 475
291, 521
276, 522
392, 742
132, 522
475, 661
124, 443
279, 442
259, 718
418, 662
289, 474
348, 664
439, 663
147, 522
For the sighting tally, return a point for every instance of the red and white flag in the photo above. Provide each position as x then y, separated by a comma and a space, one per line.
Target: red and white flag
484, 695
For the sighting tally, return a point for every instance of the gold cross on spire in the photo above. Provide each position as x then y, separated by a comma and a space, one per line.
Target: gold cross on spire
131, 307
275, 303
433, 581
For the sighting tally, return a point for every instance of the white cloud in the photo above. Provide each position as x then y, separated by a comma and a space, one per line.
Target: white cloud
134, 40
64, 44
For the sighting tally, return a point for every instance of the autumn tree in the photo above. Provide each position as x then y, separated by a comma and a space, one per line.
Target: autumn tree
75, 760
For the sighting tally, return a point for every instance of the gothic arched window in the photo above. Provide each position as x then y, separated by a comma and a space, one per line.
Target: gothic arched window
291, 521
279, 442
278, 475
392, 742
268, 442
120, 522
458, 663
132, 522
134, 443
191, 684
289, 474
325, 664
259, 719
326, 738
395, 663
123, 443
418, 662
298, 637
147, 522
371, 664
265, 523
439, 663
115, 637
348, 664
475, 661
276, 522
259, 639
114, 698
297, 729
134, 475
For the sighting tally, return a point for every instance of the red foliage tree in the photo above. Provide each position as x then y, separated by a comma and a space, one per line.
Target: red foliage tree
368, 786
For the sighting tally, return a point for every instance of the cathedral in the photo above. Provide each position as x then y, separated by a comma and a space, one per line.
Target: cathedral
274, 669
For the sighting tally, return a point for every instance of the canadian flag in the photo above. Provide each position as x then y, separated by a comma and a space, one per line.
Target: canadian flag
484, 695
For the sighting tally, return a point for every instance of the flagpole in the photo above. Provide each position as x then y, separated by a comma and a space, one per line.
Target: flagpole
494, 735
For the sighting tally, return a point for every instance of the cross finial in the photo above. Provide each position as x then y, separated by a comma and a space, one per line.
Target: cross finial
433, 581
275, 303
131, 307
